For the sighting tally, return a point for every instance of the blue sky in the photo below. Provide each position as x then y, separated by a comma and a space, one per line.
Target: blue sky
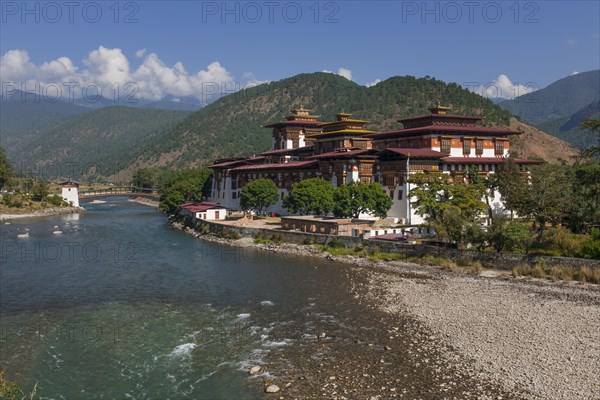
510, 43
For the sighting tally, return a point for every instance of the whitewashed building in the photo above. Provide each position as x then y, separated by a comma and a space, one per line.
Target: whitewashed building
70, 193
205, 211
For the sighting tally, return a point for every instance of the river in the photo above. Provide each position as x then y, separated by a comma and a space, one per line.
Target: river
121, 305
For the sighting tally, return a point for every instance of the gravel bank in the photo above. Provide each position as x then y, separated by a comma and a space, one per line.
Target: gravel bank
541, 338
43, 213
492, 337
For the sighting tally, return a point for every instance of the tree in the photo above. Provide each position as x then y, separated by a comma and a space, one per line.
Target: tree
586, 195
39, 190
549, 195
310, 196
259, 195
353, 199
178, 187
510, 181
146, 178
488, 182
451, 207
592, 125
6, 172
509, 235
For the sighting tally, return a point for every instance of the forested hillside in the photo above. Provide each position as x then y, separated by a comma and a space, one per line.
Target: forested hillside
232, 126
98, 143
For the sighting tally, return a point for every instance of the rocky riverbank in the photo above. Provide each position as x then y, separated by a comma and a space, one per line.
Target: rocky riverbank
42, 213
440, 334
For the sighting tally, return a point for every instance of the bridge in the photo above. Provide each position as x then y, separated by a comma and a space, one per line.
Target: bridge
121, 191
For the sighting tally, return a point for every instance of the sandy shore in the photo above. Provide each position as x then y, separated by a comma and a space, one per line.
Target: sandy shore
43, 213
502, 337
144, 201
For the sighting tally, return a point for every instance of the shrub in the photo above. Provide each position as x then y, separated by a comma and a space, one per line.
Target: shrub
560, 241
590, 249
277, 238
55, 201
308, 241
336, 244
231, 235
203, 229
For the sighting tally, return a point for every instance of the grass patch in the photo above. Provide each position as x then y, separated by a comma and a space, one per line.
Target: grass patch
535, 271
261, 238
565, 273
474, 268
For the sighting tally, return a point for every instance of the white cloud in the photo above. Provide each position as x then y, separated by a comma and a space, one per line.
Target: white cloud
373, 83
574, 72
15, 65
110, 70
571, 42
345, 72
502, 87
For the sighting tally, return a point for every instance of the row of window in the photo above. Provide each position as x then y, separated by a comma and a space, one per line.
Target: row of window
445, 146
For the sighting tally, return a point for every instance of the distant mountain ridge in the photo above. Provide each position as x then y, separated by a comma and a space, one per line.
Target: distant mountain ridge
561, 106
97, 143
560, 99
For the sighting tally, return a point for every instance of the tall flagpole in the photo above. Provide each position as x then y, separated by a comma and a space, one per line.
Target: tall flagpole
408, 187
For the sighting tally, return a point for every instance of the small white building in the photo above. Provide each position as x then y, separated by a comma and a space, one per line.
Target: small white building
205, 211
70, 193
416, 231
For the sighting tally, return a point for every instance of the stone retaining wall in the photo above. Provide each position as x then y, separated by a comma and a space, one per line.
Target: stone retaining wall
504, 261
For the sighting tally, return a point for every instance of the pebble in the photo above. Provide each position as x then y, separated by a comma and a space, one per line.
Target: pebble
255, 370
272, 389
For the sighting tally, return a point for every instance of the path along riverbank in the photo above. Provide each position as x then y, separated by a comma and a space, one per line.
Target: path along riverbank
507, 338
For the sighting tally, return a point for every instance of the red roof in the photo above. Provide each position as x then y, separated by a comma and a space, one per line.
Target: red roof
291, 164
390, 236
226, 164
281, 151
200, 207
342, 153
293, 123
415, 152
445, 128
485, 160
440, 116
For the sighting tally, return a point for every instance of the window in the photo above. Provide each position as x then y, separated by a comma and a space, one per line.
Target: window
479, 147
445, 146
281, 195
399, 194
499, 147
466, 146
234, 195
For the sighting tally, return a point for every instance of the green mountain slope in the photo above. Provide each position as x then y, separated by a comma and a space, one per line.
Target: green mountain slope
566, 128
232, 126
561, 99
99, 142
23, 119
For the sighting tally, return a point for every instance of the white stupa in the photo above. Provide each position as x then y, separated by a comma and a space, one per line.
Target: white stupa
70, 193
